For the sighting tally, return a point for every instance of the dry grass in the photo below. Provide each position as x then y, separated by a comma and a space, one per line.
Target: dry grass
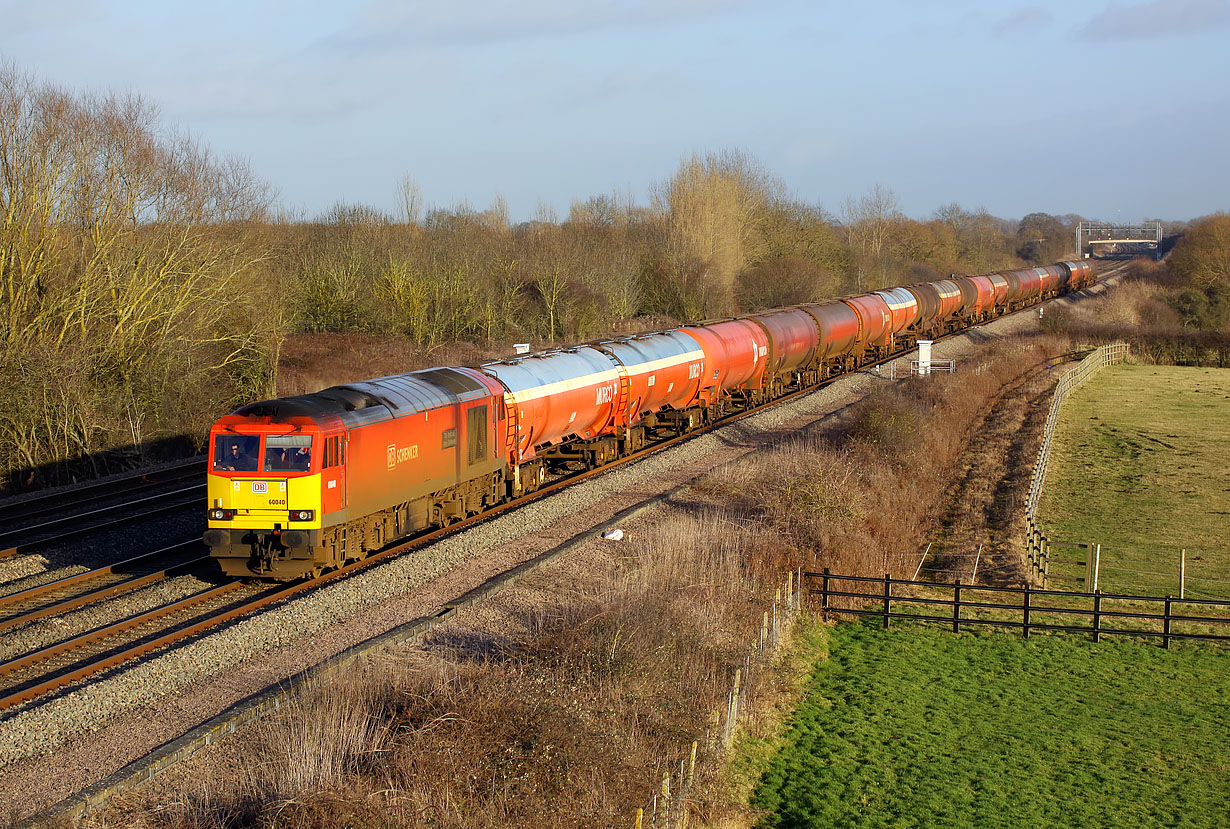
603, 676
863, 495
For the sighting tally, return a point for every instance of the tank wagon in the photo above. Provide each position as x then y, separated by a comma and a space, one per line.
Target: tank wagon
298, 485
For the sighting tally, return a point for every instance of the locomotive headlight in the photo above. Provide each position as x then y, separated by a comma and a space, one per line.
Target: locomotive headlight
302, 514
221, 514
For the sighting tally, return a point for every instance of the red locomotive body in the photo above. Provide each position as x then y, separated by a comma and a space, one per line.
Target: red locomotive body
285, 510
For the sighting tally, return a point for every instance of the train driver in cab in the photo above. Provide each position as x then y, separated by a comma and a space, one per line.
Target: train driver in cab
233, 456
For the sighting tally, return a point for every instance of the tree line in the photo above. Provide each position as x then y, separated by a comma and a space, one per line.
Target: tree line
149, 284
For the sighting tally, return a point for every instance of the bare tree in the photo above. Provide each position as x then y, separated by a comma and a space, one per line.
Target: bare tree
410, 199
870, 218
712, 205
126, 272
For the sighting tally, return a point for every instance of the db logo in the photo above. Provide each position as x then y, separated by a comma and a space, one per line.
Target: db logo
260, 486
396, 456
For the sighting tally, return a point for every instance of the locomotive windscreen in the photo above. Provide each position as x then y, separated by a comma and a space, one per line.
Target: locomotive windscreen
288, 453
236, 453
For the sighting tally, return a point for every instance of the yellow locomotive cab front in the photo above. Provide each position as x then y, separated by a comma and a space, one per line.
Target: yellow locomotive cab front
264, 507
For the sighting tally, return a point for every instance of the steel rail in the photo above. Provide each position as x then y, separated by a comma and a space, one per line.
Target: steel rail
47, 525
22, 548
15, 512
127, 585
102, 487
89, 637
87, 575
60, 680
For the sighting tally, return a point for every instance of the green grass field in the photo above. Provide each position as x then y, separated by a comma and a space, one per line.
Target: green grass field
1141, 465
920, 727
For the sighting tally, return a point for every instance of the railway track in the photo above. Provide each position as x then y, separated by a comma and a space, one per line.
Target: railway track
97, 493
54, 666
92, 586
32, 675
46, 521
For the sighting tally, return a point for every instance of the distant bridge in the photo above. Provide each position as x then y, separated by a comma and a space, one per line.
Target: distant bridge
1147, 235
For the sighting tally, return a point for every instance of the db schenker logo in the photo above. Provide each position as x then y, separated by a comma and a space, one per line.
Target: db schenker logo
405, 453
260, 486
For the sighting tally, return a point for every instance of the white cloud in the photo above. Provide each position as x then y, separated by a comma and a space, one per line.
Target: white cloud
1160, 18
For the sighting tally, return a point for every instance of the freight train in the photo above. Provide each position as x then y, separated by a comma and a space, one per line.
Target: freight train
299, 485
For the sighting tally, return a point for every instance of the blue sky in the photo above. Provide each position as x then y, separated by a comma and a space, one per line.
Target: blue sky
1101, 108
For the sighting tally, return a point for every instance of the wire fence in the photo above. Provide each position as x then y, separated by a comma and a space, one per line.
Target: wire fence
1154, 570
669, 807
1036, 542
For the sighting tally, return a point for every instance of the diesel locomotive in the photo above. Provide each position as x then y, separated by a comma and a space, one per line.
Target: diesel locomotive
298, 485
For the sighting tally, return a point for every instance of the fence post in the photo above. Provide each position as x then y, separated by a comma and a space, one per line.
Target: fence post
1097, 568
1089, 569
1182, 572
666, 798
1166, 624
1097, 616
887, 597
1046, 566
1025, 610
824, 597
956, 607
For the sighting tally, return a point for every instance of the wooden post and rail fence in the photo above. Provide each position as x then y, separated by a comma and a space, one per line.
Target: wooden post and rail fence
1034, 609
1036, 543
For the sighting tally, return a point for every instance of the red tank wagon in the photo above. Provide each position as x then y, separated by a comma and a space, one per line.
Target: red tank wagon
838, 326
736, 352
793, 339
